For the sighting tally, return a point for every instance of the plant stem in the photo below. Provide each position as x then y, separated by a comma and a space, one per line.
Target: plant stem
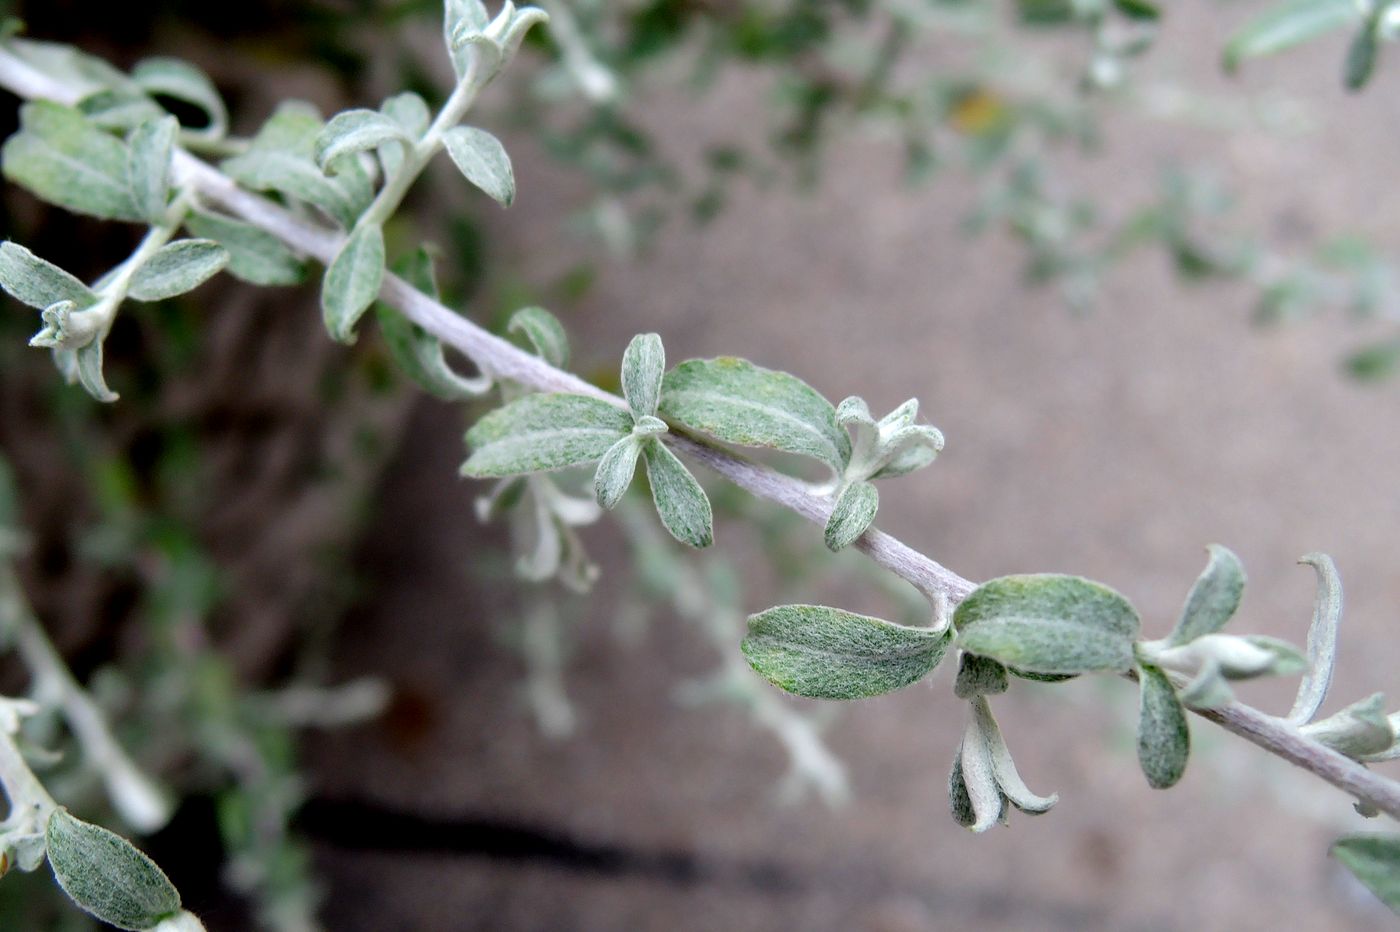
507, 361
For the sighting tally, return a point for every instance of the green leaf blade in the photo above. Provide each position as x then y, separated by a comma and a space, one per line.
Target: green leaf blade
62, 158
106, 876
680, 501
736, 402
38, 282
1048, 624
148, 166
483, 161
254, 256
827, 653
1289, 24
179, 80
1375, 861
615, 471
643, 365
1213, 599
352, 281
542, 433
852, 515
355, 131
176, 268
1164, 738
545, 333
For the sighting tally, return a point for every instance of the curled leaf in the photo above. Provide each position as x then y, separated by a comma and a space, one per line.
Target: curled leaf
1322, 639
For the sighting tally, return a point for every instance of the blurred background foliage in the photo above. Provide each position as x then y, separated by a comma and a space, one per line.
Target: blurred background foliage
203, 621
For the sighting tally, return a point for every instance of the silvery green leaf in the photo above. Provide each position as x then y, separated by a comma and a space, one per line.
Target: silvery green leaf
959, 800
483, 160
1164, 739
1208, 689
352, 281
179, 80
854, 511
1237, 658
1213, 599
545, 334
680, 501
1361, 56
176, 268
1322, 639
643, 365
909, 449
737, 402
478, 53
106, 876
827, 653
122, 109
1360, 729
355, 131
462, 18
60, 157
615, 471
38, 282
89, 370
978, 676
525, 19
1008, 779
149, 148
649, 426
419, 353
28, 848
979, 779
1287, 24
253, 255
411, 112
280, 158
83, 73
540, 433
1375, 861
1048, 623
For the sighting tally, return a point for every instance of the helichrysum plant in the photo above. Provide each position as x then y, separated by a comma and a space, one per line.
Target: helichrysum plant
96, 141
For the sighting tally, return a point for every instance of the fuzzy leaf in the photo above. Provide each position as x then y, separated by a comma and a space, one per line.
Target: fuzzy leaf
419, 353
959, 800
1213, 599
643, 365
355, 131
178, 267
106, 876
978, 772
1361, 57
1008, 779
88, 369
462, 17
1048, 624
615, 471
148, 166
853, 513
737, 402
253, 255
540, 433
978, 676
38, 282
62, 158
1375, 861
352, 281
483, 160
411, 112
545, 334
1287, 24
179, 80
1360, 729
1322, 639
827, 653
680, 501
1164, 738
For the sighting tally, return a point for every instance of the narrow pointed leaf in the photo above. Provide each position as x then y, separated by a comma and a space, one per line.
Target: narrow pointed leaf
106, 876
179, 80
680, 501
253, 255
1213, 599
178, 267
737, 402
1288, 24
38, 282
148, 166
1361, 57
827, 653
978, 676
853, 513
1322, 639
1003, 767
1164, 738
615, 471
979, 777
352, 281
1360, 729
643, 365
88, 368
1048, 624
539, 433
483, 160
62, 158
959, 800
355, 131
545, 333
1375, 860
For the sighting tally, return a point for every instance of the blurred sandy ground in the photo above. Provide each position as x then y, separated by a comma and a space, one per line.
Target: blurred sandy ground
1114, 445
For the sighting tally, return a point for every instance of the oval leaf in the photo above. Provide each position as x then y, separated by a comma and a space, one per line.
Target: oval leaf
737, 402
62, 158
1214, 598
827, 653
1164, 739
483, 160
352, 281
615, 471
1048, 624
105, 875
1375, 860
539, 433
38, 282
253, 255
643, 364
148, 165
854, 511
355, 131
680, 501
177, 268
